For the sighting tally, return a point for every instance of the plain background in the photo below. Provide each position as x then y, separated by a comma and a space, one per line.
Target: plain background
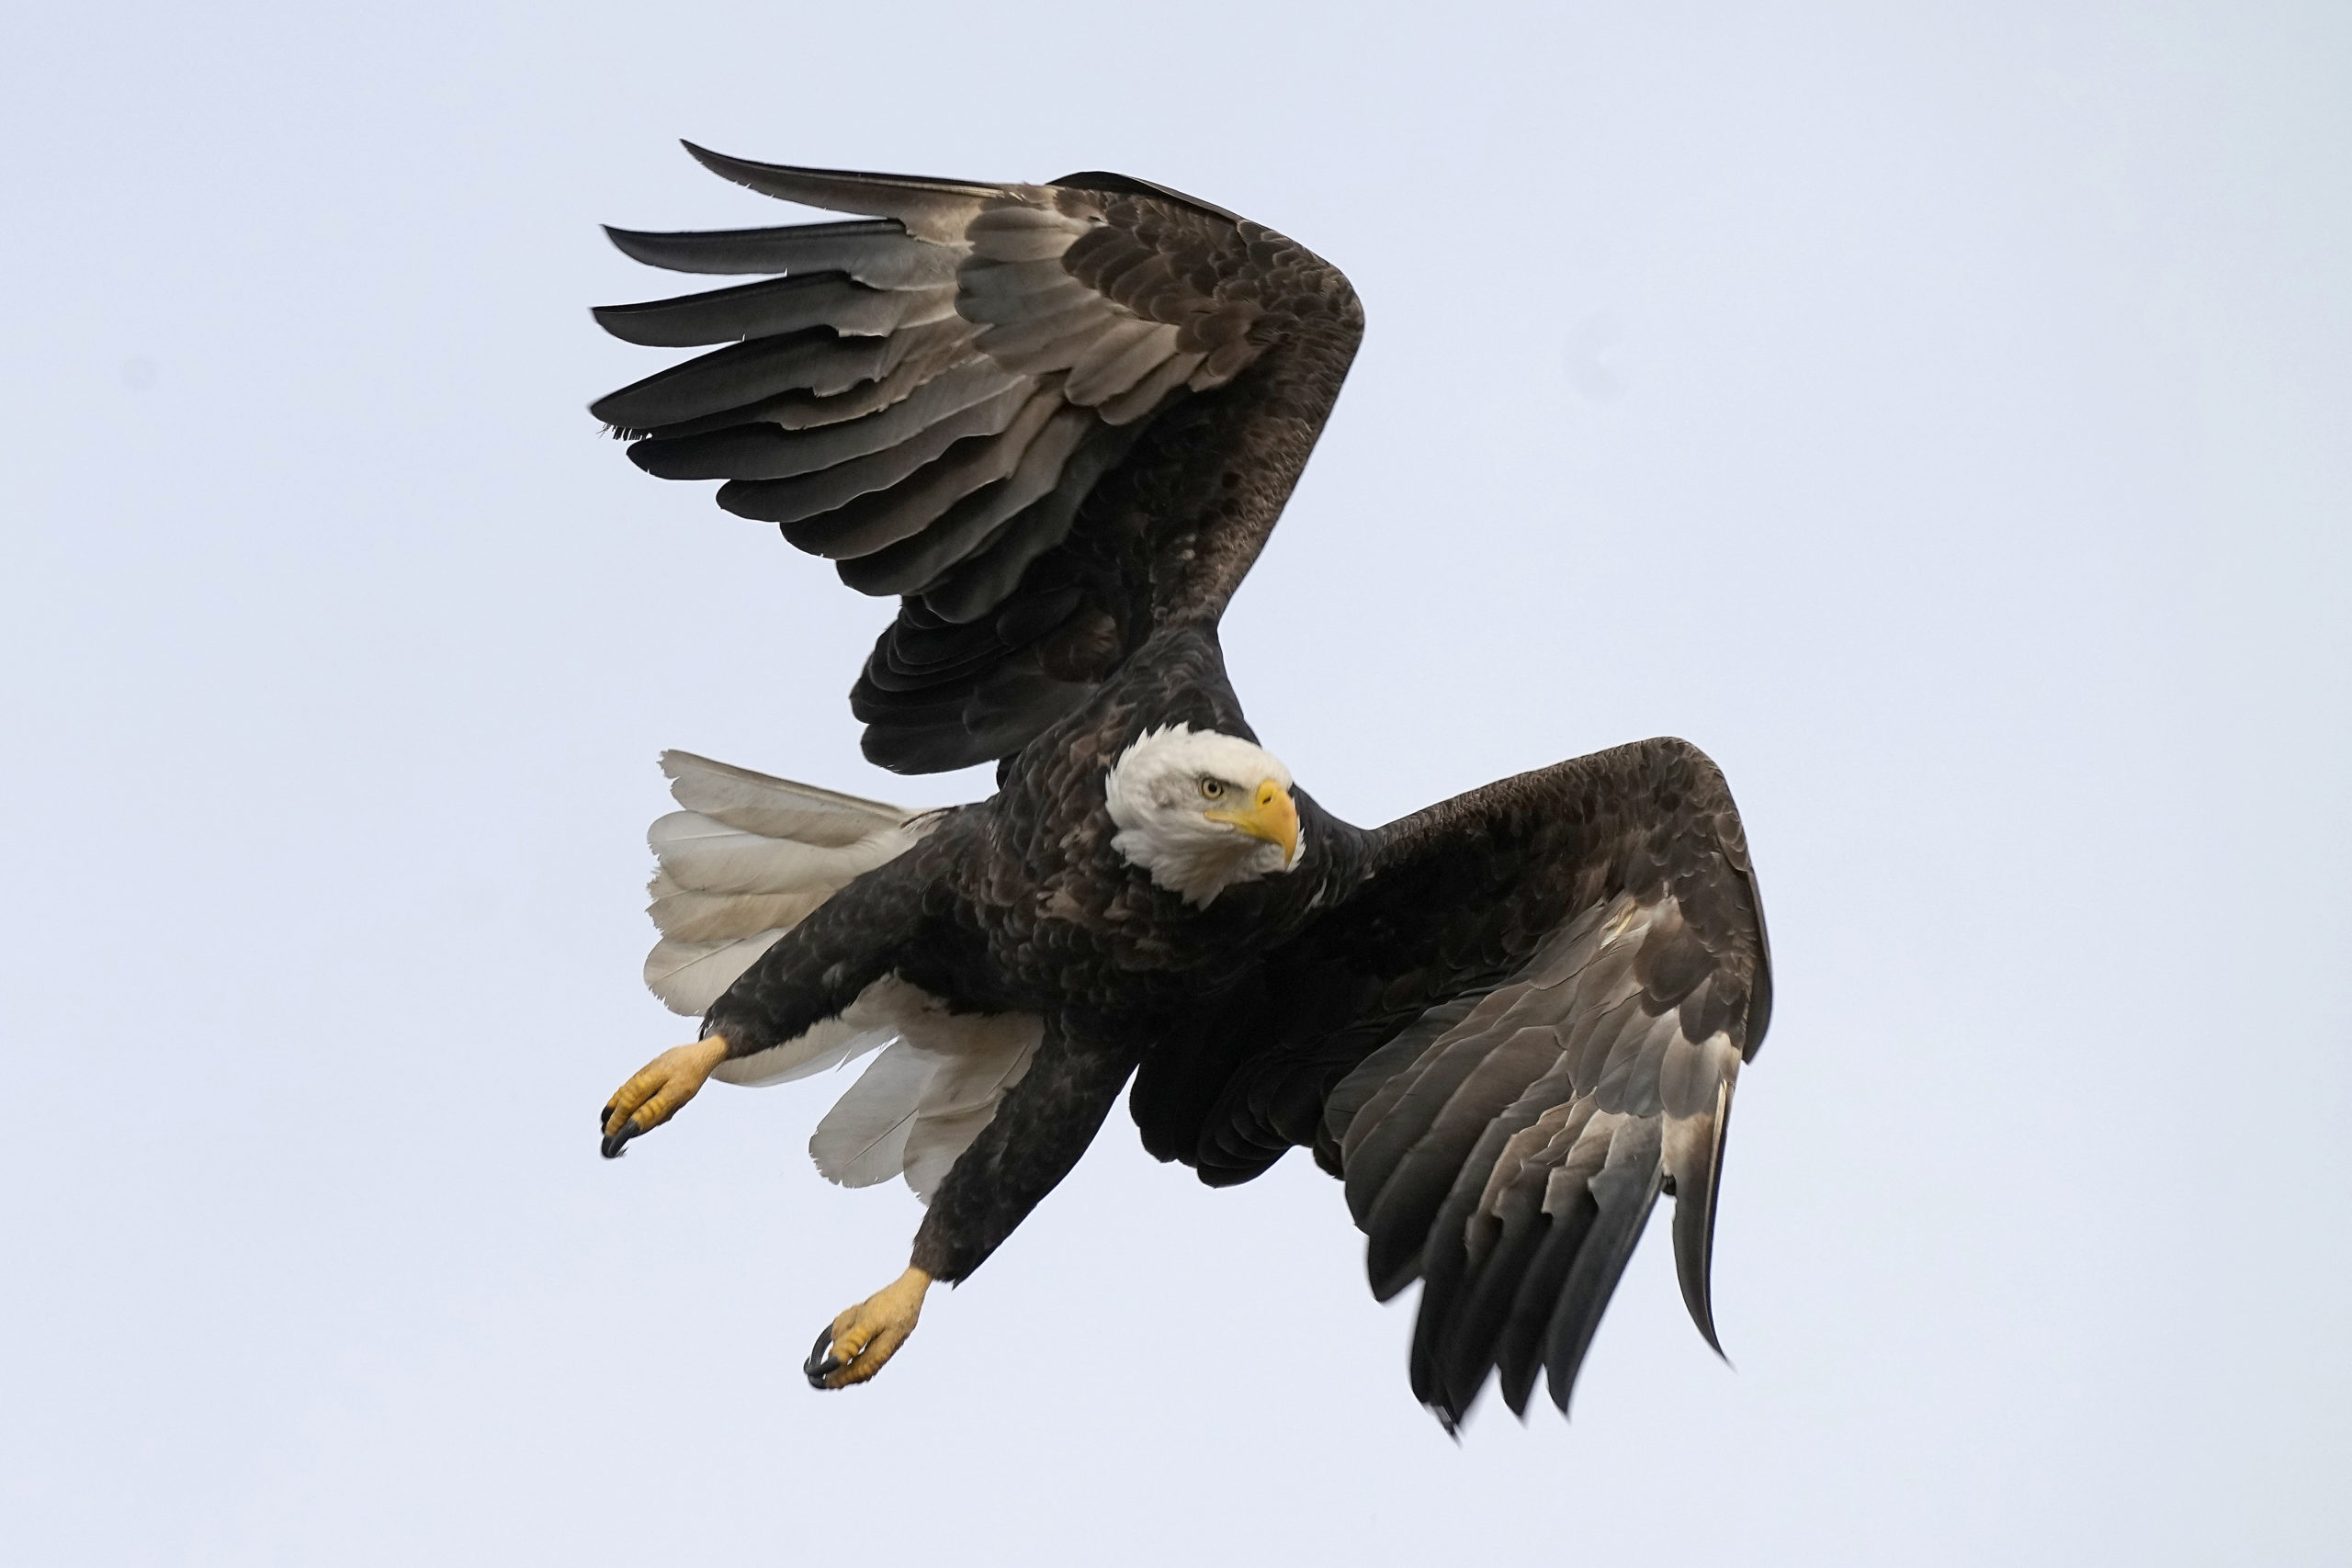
1944, 418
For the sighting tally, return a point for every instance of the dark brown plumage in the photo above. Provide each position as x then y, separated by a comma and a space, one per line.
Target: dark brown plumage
1059, 422
994, 404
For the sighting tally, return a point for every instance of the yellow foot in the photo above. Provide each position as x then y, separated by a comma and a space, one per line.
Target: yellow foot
859, 1341
653, 1096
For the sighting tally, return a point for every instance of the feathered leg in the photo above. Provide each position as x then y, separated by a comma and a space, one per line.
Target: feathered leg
815, 971
1038, 1133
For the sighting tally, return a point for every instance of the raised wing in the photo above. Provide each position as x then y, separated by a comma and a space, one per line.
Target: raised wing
1525, 1024
1048, 418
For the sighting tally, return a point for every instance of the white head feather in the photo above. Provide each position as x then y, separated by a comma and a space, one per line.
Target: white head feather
1163, 790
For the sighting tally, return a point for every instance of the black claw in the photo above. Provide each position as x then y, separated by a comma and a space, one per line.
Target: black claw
820, 1363
616, 1142
603, 1116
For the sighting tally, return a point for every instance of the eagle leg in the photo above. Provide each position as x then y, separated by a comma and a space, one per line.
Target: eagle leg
857, 1344
660, 1088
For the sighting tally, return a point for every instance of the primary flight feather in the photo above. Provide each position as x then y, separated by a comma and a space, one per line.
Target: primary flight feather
1058, 422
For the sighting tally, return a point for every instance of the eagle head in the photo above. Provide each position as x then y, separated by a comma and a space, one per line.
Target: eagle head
1202, 811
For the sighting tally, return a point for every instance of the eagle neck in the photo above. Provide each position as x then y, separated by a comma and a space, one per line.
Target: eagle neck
1177, 677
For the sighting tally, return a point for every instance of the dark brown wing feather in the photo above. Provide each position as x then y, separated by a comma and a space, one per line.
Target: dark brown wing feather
1049, 418
1523, 1022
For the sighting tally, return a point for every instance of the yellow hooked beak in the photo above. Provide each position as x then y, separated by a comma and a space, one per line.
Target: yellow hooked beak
1270, 819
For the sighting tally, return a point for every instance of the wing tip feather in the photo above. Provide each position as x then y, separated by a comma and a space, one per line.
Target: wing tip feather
1695, 1229
931, 208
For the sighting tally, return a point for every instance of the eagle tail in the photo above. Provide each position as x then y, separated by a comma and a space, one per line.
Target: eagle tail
928, 1095
745, 861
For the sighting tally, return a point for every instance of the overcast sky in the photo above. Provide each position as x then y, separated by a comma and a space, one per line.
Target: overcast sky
1943, 418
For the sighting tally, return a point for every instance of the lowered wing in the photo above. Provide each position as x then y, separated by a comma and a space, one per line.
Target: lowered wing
1523, 1024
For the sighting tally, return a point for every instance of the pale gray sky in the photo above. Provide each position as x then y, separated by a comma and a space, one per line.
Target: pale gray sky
1941, 415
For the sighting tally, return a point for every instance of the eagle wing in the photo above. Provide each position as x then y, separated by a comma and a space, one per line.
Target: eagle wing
1048, 418
1525, 1022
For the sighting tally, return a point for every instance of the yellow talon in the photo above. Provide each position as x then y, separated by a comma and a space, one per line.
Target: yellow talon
861, 1341
658, 1090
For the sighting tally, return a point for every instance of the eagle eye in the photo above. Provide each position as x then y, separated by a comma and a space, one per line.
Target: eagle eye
1212, 788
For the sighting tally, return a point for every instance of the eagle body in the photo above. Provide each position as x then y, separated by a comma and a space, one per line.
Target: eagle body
1059, 422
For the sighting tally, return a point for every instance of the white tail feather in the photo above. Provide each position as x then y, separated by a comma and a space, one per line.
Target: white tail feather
772, 807
746, 861
828, 1045
925, 1098
863, 1139
690, 976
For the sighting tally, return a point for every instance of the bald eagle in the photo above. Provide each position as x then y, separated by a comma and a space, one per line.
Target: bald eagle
1058, 422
